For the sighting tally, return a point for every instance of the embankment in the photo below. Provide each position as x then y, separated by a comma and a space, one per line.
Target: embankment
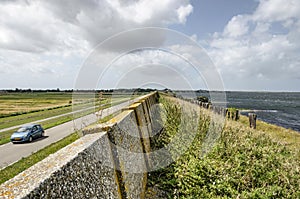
243, 163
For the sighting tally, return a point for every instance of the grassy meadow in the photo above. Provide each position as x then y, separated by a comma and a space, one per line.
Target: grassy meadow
21, 108
13, 103
242, 163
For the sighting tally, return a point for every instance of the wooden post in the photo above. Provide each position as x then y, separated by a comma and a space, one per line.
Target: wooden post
225, 112
237, 116
252, 120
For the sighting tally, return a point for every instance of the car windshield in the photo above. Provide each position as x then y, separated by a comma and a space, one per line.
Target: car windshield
23, 129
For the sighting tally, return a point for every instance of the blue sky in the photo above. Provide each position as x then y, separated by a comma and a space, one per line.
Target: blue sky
211, 16
252, 44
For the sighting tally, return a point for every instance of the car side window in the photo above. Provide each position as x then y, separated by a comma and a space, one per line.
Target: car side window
34, 128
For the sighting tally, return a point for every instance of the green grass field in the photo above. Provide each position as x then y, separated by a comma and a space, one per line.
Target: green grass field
45, 105
12, 103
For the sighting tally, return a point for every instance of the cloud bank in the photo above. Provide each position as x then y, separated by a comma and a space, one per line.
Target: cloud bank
50, 39
43, 44
260, 50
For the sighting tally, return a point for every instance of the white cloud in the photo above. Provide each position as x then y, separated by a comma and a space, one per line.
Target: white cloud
55, 36
277, 10
155, 11
262, 46
183, 12
98, 20
152, 66
237, 26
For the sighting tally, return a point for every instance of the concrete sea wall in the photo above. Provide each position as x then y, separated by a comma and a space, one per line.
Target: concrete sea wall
109, 161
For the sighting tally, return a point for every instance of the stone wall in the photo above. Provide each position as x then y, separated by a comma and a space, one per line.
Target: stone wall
109, 161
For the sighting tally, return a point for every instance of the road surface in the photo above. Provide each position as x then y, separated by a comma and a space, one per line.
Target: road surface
10, 153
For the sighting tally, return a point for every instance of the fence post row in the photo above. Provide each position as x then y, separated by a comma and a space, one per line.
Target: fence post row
234, 115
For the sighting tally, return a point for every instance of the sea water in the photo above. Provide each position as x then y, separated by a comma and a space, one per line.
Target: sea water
280, 108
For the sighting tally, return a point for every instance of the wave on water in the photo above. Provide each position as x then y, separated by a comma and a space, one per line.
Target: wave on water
264, 111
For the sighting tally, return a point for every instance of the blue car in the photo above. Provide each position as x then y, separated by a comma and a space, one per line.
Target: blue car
27, 133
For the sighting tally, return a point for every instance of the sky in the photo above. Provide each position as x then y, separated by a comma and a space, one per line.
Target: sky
252, 45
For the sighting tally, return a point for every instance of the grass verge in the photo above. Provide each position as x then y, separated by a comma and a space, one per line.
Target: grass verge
16, 168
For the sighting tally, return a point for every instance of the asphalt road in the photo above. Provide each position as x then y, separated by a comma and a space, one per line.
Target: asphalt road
10, 153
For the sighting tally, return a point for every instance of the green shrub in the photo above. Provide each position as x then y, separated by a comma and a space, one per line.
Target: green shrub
202, 99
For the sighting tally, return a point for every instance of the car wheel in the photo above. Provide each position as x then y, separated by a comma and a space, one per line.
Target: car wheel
30, 139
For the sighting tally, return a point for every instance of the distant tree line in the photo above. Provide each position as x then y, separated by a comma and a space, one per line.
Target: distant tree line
20, 90
29, 90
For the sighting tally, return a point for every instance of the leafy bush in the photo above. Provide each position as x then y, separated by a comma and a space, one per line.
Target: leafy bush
202, 99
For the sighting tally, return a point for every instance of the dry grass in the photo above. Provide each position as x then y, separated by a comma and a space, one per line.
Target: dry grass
26, 102
285, 136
